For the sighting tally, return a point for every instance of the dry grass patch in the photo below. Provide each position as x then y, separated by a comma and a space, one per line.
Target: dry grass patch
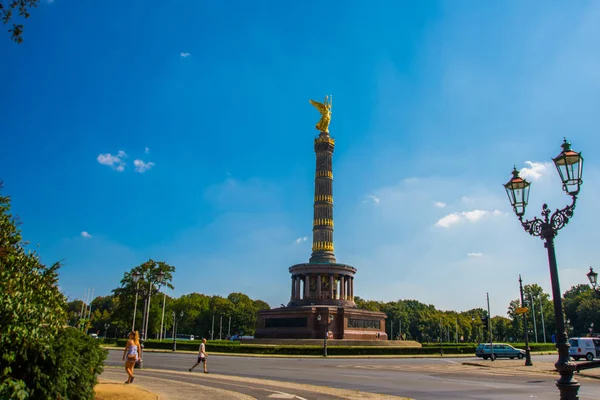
108, 390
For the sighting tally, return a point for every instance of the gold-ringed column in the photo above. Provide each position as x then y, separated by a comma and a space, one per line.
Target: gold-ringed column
323, 203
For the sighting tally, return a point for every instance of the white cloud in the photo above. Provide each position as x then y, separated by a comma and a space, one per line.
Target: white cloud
115, 162
466, 199
468, 216
146, 150
372, 198
184, 54
535, 170
449, 220
475, 254
301, 239
85, 235
439, 204
141, 166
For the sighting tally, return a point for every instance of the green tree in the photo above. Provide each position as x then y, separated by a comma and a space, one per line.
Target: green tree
32, 318
579, 302
7, 10
147, 288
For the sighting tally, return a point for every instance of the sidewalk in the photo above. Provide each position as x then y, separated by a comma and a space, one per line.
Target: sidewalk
166, 389
172, 385
541, 367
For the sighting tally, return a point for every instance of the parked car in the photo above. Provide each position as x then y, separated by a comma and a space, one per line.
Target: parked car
584, 347
500, 350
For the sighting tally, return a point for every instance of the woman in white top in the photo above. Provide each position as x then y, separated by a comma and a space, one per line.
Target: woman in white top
132, 352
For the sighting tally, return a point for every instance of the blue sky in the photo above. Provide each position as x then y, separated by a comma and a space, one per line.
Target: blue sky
433, 102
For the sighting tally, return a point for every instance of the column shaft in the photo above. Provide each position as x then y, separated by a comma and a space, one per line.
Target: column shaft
293, 287
306, 287
331, 283
298, 285
318, 286
342, 287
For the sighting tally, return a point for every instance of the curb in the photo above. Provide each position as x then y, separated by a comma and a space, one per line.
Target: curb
541, 371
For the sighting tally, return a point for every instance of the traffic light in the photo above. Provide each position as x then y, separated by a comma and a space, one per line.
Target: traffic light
484, 321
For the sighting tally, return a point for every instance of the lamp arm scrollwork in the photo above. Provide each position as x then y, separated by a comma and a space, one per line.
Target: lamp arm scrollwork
537, 226
533, 227
561, 217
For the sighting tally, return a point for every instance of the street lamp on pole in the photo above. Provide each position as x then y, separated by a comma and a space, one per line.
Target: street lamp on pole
527, 348
159, 279
593, 278
325, 336
175, 329
569, 164
135, 277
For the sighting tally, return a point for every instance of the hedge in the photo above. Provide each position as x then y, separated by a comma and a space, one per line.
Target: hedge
532, 346
236, 347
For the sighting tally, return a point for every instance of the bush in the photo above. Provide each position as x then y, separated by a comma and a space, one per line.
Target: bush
70, 369
38, 358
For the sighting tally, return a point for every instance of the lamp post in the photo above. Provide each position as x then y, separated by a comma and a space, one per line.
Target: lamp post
527, 348
135, 277
569, 165
175, 329
327, 323
106, 325
162, 319
593, 278
159, 279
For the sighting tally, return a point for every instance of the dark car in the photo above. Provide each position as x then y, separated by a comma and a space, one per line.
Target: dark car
500, 350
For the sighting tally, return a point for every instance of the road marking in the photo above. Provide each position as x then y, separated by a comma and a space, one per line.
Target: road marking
283, 395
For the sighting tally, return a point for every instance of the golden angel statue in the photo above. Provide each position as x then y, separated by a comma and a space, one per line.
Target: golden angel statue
325, 110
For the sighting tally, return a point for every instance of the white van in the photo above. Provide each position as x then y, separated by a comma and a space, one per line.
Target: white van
587, 347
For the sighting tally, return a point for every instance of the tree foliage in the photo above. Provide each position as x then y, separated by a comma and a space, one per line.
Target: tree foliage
33, 364
8, 9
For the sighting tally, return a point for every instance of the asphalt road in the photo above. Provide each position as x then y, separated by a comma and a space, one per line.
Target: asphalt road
418, 378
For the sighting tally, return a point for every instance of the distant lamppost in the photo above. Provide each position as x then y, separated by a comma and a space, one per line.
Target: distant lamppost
175, 329
135, 277
106, 325
569, 164
527, 348
593, 278
327, 323
592, 329
148, 296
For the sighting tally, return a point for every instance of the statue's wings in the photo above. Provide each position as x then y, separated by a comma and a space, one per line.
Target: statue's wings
320, 106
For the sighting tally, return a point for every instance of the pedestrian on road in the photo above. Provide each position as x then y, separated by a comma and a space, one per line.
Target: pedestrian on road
132, 352
201, 356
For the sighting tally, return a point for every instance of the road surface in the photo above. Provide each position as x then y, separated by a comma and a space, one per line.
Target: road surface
418, 378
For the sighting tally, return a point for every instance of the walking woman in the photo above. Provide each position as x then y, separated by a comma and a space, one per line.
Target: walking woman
131, 355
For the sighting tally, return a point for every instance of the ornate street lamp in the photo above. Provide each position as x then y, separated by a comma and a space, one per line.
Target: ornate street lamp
135, 277
570, 166
593, 278
327, 323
